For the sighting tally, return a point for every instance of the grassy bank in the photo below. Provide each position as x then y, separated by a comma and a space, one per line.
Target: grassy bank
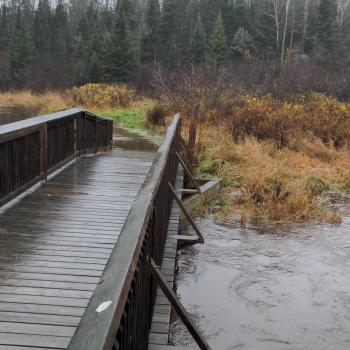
117, 102
127, 118
275, 184
277, 158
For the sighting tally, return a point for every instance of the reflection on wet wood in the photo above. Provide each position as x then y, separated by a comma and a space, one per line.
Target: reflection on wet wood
124, 139
55, 244
31, 149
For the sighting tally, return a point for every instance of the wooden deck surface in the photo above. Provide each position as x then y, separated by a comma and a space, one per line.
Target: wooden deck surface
55, 243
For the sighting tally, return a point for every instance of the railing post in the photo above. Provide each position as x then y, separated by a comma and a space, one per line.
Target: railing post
84, 133
96, 131
76, 135
107, 135
43, 152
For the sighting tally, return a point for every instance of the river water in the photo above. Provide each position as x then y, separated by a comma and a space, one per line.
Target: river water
285, 288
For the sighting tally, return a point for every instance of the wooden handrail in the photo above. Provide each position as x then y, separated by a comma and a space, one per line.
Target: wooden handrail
34, 147
145, 228
38, 121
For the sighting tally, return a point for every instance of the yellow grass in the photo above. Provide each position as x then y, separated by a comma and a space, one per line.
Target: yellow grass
263, 177
35, 103
273, 183
90, 96
276, 157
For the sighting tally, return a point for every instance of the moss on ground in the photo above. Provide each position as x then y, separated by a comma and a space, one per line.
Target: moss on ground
130, 119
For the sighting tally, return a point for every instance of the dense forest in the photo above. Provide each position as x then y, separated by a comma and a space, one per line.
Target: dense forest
57, 44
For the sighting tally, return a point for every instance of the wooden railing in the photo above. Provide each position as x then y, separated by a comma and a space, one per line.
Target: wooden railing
33, 148
126, 294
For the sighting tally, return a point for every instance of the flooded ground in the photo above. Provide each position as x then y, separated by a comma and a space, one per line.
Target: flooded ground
125, 139
252, 291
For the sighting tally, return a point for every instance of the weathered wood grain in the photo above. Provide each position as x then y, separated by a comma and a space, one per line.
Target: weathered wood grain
55, 244
33, 148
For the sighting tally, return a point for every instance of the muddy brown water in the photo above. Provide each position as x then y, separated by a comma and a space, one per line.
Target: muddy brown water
288, 288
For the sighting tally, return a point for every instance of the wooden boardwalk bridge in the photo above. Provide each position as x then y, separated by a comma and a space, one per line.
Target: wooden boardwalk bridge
80, 231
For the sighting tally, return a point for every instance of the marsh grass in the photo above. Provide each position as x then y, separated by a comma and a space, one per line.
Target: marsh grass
275, 184
99, 97
35, 104
275, 157
117, 102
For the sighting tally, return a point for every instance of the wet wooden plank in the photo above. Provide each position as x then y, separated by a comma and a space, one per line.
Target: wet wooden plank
21, 317
49, 292
9, 281
55, 244
14, 347
31, 340
41, 309
38, 329
99, 331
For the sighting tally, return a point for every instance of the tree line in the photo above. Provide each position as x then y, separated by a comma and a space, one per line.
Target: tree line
61, 43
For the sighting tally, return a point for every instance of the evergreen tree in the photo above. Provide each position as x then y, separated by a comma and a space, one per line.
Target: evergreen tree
122, 51
129, 7
61, 34
183, 30
28, 16
151, 41
326, 25
218, 48
173, 58
169, 19
43, 29
228, 12
20, 52
5, 27
210, 10
86, 44
242, 43
199, 43
265, 33
86, 36
170, 49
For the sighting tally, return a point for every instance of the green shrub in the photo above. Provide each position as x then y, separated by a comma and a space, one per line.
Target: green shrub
316, 186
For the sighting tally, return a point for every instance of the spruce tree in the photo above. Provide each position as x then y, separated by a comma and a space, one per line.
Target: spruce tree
5, 27
151, 40
198, 48
210, 9
43, 28
169, 19
170, 49
183, 29
265, 30
129, 7
61, 35
20, 51
326, 25
242, 43
218, 48
122, 53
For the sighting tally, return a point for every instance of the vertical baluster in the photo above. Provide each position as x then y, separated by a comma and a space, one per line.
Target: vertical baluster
43, 152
